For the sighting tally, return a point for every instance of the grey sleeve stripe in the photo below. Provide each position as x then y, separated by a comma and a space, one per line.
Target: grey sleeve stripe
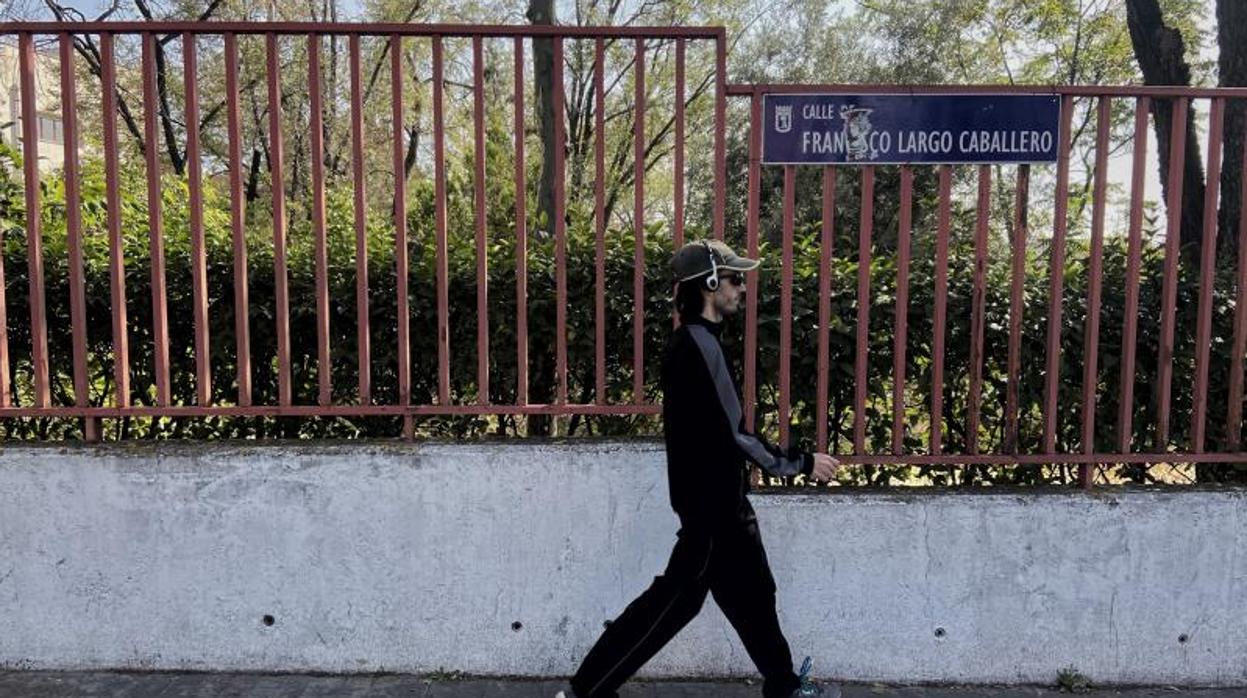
748, 443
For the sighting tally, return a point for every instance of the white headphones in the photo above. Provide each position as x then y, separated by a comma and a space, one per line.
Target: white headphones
712, 281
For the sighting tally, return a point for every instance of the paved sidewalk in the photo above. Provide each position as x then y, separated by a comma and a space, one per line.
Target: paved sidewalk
169, 685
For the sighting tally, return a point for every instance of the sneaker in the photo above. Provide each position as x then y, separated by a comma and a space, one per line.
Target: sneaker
809, 688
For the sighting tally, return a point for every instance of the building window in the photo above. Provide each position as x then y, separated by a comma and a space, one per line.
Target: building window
51, 130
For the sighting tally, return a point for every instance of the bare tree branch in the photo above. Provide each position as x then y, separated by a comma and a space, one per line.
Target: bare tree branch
85, 46
162, 90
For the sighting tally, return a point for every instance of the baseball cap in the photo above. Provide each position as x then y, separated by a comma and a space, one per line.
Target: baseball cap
694, 260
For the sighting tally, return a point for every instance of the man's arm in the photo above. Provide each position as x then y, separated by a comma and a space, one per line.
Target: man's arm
794, 461
777, 462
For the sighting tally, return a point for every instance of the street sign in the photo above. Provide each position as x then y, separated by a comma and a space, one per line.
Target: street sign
875, 129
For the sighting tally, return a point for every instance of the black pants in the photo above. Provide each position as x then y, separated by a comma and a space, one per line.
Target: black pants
730, 564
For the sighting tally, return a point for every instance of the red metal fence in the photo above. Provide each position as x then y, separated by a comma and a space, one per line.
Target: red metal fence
189, 32
1127, 450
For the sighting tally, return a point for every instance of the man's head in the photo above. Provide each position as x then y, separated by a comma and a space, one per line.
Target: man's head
710, 279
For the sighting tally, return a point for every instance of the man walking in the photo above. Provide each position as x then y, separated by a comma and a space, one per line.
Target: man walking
718, 548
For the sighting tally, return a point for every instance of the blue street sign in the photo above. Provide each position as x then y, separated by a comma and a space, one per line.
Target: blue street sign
870, 129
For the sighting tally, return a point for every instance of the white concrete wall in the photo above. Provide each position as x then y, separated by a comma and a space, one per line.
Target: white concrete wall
383, 557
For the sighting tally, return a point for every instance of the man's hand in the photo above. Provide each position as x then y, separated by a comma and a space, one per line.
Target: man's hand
824, 467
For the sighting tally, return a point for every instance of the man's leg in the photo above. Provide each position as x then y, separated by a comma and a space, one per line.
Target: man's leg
745, 590
649, 622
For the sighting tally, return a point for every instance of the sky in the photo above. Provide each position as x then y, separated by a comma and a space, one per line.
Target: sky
92, 8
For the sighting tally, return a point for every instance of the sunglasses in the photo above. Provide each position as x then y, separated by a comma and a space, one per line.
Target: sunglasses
735, 278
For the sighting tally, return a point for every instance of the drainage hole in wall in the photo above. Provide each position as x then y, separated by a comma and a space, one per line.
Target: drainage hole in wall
267, 619
939, 632
517, 626
1182, 639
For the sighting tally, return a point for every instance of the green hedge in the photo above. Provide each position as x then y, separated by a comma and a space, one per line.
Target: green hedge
580, 319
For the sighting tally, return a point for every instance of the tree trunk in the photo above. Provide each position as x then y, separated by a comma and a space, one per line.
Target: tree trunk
542, 12
542, 378
253, 176
1232, 69
1161, 54
1232, 72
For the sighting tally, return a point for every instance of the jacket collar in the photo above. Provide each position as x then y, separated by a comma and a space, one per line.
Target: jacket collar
715, 328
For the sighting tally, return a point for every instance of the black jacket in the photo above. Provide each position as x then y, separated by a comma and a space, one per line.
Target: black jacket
707, 445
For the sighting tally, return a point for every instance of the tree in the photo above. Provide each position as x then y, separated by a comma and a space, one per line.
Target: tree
1232, 72
1161, 52
541, 12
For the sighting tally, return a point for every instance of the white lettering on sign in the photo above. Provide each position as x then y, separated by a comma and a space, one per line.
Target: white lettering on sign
874, 143
822, 112
1005, 142
823, 142
870, 144
924, 142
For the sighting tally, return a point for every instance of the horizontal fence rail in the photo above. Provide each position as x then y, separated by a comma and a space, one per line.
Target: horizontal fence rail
915, 314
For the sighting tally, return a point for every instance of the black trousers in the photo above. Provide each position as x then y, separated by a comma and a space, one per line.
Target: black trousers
732, 565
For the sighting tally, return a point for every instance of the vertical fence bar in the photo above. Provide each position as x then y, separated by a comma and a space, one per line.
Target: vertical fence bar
863, 308
785, 307
560, 227
73, 226
1021, 200
902, 310
324, 371
638, 231
599, 218
400, 229
116, 249
73, 217
439, 205
1207, 272
160, 315
751, 242
199, 264
1056, 276
237, 221
824, 305
1125, 410
363, 336
6, 388
678, 148
521, 234
279, 220
1091, 337
678, 168
1234, 425
979, 293
941, 308
1173, 234
34, 220
482, 258
720, 133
